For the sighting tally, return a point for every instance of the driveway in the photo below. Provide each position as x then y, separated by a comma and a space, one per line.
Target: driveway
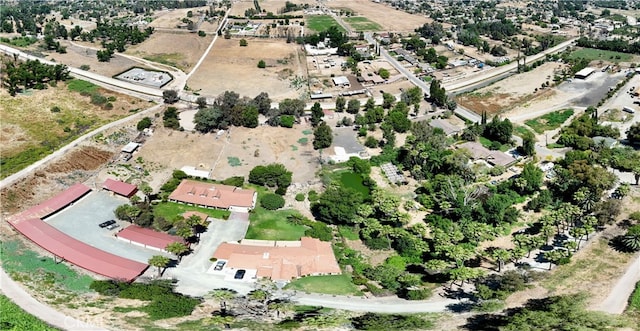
191, 273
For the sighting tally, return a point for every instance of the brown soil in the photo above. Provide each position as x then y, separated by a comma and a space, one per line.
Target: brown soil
183, 49
388, 18
169, 19
77, 56
75, 167
230, 67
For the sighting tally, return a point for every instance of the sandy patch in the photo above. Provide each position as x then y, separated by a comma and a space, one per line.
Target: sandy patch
229, 67
170, 19
183, 50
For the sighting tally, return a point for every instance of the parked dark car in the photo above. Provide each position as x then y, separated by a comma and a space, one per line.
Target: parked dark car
107, 223
239, 274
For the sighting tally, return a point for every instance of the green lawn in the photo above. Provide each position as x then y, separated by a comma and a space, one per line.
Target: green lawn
321, 23
593, 54
521, 131
273, 225
14, 318
354, 181
360, 23
28, 266
549, 121
332, 284
79, 85
487, 144
170, 210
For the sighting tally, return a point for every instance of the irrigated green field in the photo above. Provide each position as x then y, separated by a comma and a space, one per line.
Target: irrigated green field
592, 54
321, 23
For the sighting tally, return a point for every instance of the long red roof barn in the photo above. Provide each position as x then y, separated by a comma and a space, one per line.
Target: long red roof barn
79, 253
51, 206
121, 188
147, 237
210, 195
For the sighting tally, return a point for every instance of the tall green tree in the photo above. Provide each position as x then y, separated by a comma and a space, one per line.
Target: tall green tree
177, 248
322, 136
159, 262
316, 114
340, 104
353, 106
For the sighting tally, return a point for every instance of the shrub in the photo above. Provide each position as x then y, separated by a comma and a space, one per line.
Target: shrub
98, 99
416, 294
144, 124
371, 142
262, 64
243, 42
236, 181
272, 201
287, 121
55, 109
108, 106
201, 34
300, 197
312, 196
320, 231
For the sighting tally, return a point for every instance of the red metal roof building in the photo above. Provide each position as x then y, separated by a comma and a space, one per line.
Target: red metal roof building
121, 188
31, 225
210, 195
147, 238
55, 204
281, 260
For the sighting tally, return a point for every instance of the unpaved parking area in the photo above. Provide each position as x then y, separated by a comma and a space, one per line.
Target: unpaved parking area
230, 67
235, 154
81, 220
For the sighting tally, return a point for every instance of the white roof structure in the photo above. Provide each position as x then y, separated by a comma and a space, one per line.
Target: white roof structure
340, 81
130, 147
585, 72
193, 172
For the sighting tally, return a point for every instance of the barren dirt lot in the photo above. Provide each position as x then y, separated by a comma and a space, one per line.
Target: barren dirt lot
77, 56
169, 19
229, 67
389, 19
181, 50
515, 91
234, 154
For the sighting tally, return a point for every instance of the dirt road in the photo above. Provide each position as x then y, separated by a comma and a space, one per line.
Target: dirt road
616, 302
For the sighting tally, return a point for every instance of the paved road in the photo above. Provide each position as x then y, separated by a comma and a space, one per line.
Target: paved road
23, 299
617, 300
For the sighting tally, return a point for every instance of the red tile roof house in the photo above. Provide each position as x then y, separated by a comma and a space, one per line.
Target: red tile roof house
120, 188
147, 238
215, 196
281, 260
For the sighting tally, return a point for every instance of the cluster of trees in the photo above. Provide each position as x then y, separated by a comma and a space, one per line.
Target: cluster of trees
498, 130
496, 30
170, 118
23, 16
230, 109
18, 76
115, 37
616, 45
438, 95
336, 37
432, 31
579, 132
272, 175
633, 134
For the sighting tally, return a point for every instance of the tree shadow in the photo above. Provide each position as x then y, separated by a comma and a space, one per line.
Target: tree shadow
461, 307
616, 244
485, 322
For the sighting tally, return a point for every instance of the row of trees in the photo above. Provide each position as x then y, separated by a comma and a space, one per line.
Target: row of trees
230, 109
18, 76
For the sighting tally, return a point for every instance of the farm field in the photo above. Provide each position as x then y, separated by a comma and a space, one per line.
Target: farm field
592, 54
170, 49
390, 19
549, 121
362, 24
321, 23
230, 67
32, 127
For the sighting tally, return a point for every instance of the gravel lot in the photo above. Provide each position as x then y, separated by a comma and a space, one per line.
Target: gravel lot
81, 220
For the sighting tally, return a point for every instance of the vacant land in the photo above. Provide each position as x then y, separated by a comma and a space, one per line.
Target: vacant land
331, 284
78, 56
230, 67
36, 123
170, 19
362, 24
549, 121
522, 90
592, 54
390, 19
321, 23
177, 50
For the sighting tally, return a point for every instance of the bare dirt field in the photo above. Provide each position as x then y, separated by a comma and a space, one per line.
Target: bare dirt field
233, 154
170, 19
77, 56
388, 18
517, 90
181, 50
229, 67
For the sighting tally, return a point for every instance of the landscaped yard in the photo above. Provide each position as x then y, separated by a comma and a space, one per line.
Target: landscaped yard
331, 284
273, 225
487, 143
321, 23
549, 121
592, 54
362, 24
170, 210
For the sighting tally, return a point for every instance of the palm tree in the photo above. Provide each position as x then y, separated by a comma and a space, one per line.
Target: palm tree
631, 240
177, 248
184, 232
222, 295
160, 262
500, 255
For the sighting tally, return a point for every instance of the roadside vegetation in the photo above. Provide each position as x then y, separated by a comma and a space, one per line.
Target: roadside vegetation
550, 121
14, 318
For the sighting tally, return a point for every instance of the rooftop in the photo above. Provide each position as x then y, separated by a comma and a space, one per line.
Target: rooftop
212, 195
148, 237
119, 187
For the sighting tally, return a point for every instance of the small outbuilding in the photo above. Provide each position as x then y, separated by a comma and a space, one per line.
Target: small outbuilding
120, 188
584, 73
130, 147
341, 81
147, 238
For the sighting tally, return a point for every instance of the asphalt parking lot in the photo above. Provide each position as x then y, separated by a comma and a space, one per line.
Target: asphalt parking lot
81, 220
593, 88
345, 137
